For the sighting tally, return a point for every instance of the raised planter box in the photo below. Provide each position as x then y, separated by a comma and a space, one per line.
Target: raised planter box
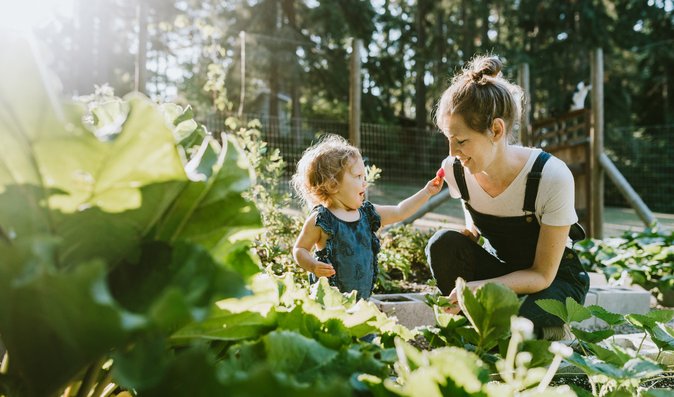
411, 310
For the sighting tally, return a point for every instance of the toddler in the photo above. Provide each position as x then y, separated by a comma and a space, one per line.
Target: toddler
342, 225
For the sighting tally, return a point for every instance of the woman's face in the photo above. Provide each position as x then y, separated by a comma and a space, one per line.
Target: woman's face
473, 148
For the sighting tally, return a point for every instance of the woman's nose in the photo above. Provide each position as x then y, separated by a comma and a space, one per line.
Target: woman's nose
452, 150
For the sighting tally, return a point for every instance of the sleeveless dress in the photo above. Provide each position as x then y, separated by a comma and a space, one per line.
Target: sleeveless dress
351, 248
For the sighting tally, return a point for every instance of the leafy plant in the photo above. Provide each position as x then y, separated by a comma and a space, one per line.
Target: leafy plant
453, 371
611, 369
402, 260
273, 245
112, 235
647, 258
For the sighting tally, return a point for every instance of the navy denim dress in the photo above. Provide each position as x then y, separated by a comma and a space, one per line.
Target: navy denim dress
351, 248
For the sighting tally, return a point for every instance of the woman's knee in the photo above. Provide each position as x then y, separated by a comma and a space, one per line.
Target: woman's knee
444, 243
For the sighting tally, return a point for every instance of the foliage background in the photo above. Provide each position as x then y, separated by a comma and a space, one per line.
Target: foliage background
297, 51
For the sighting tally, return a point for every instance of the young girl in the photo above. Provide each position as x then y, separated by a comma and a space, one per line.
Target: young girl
342, 225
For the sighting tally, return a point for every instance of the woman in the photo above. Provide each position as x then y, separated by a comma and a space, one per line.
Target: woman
520, 199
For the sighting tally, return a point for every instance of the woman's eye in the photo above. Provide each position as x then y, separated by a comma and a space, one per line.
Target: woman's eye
461, 142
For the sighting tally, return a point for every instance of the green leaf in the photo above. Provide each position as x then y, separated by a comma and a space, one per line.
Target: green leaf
570, 311
661, 337
661, 315
173, 284
293, 353
575, 311
611, 319
592, 337
489, 311
210, 211
641, 321
328, 295
58, 322
554, 307
227, 327
191, 371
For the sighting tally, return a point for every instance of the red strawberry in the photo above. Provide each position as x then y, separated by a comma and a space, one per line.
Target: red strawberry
441, 173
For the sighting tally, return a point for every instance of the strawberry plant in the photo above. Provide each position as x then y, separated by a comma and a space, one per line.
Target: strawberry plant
646, 257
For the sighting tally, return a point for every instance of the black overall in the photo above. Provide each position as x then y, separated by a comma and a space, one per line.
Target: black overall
452, 254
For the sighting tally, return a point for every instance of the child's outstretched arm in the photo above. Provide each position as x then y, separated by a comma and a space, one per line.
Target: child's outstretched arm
406, 208
308, 238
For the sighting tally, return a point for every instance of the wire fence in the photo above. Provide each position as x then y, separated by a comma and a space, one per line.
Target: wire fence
410, 155
644, 155
404, 154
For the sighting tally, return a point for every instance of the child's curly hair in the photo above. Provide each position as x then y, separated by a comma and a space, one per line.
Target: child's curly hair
321, 169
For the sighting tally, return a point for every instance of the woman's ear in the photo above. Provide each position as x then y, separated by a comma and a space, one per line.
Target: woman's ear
498, 128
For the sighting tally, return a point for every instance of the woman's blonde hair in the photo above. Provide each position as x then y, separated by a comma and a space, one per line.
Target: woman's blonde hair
481, 94
321, 169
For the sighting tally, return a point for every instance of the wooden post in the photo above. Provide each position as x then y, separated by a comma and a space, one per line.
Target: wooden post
354, 94
525, 125
597, 145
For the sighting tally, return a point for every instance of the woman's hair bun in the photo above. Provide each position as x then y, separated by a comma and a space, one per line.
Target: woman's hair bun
479, 67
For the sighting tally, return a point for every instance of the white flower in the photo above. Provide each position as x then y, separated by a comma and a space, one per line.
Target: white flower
523, 359
560, 349
522, 326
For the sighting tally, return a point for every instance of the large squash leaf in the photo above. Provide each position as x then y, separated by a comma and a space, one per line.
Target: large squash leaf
100, 200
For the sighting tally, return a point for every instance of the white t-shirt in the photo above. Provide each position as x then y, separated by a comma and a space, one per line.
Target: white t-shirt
554, 201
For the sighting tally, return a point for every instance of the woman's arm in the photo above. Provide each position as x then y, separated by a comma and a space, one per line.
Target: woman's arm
406, 208
306, 241
549, 250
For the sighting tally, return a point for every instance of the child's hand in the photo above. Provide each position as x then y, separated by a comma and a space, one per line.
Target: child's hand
323, 270
434, 186
439, 178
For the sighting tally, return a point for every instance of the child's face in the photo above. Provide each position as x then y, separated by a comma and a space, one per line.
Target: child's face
351, 191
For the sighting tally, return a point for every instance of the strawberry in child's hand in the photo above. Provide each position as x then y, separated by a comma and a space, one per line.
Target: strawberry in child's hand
439, 176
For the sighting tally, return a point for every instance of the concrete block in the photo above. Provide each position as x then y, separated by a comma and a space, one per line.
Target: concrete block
411, 310
621, 300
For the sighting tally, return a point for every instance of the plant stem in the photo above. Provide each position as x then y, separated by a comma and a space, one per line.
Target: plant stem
510, 357
4, 364
103, 384
642, 342
90, 377
551, 372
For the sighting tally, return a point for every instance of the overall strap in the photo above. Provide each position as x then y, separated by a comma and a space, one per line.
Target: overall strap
533, 179
460, 179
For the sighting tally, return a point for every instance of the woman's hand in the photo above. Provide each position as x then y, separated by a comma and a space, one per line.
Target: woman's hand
454, 300
321, 269
470, 235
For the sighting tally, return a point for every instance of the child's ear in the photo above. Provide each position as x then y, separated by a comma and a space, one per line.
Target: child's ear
332, 187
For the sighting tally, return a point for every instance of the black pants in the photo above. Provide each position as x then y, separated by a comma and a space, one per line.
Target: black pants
452, 255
